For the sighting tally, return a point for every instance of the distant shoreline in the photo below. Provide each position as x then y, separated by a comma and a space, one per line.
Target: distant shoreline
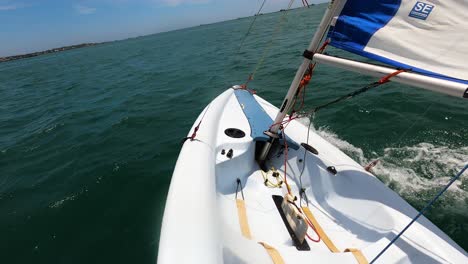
83, 45
54, 50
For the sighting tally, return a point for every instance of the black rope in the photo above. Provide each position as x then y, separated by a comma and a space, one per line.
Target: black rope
348, 96
383, 80
239, 184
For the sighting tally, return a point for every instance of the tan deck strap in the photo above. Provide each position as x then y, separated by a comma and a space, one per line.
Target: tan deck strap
244, 225
274, 254
361, 259
243, 222
320, 231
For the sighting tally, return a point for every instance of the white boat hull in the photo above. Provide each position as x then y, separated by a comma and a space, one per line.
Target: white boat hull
201, 221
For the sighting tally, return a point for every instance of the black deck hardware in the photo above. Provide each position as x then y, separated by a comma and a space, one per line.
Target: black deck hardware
234, 133
301, 247
230, 154
308, 54
465, 94
332, 170
310, 148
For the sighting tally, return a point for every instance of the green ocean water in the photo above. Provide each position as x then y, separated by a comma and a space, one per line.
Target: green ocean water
89, 137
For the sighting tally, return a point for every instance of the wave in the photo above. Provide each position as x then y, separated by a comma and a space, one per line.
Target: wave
59, 203
421, 168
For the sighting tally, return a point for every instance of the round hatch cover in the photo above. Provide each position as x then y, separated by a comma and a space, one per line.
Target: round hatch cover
234, 133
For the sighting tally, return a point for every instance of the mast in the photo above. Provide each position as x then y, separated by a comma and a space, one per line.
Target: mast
314, 45
379, 18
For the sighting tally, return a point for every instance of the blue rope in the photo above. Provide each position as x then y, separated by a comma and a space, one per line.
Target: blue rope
421, 212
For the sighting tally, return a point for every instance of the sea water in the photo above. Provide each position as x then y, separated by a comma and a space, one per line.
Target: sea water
89, 137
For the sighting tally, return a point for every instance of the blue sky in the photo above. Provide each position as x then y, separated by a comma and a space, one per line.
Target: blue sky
34, 25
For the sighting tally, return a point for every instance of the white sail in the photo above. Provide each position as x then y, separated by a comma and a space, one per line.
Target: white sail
427, 36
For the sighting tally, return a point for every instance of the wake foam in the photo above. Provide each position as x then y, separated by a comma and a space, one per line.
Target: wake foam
422, 168
354, 152
59, 203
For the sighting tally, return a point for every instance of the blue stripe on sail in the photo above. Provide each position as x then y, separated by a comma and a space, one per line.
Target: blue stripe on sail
359, 21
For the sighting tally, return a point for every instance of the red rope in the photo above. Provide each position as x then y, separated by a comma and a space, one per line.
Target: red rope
307, 78
194, 134
371, 165
324, 45
311, 226
386, 79
195, 130
244, 86
286, 157
302, 87
291, 117
284, 124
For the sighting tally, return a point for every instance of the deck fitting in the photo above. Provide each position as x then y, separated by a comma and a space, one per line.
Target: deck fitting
304, 246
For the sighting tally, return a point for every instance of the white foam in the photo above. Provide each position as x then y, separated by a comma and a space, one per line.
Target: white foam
423, 166
410, 169
60, 202
348, 148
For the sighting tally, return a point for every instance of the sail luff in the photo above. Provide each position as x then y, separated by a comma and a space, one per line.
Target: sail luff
417, 80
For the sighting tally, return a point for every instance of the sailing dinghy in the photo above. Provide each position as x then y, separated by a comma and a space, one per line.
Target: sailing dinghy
252, 184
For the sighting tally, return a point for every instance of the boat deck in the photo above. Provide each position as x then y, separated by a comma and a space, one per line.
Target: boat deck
353, 207
266, 225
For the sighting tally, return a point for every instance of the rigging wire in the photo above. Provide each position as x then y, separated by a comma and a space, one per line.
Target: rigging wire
295, 115
267, 49
309, 223
413, 124
426, 207
366, 88
304, 159
195, 130
306, 78
311, 115
251, 26
372, 164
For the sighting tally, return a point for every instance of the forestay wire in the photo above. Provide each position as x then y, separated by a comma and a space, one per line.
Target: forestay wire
267, 49
251, 26
273, 36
